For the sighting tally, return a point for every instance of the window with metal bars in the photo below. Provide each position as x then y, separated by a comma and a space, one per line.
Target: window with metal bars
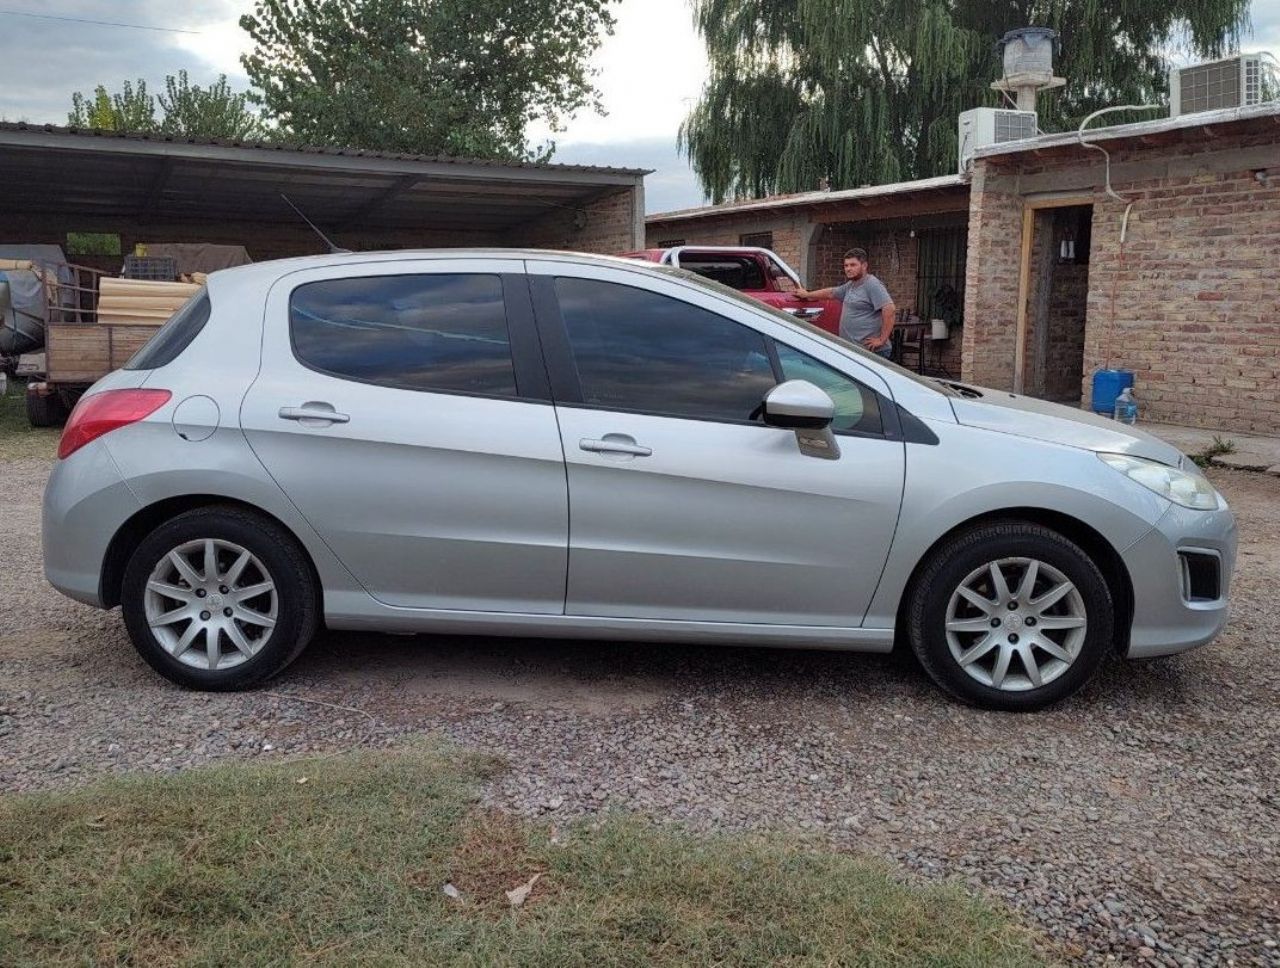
940, 265
757, 240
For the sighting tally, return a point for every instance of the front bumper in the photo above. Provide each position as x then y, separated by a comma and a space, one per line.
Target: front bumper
1166, 620
85, 503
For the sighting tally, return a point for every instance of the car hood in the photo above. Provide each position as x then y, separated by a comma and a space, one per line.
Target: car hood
1011, 413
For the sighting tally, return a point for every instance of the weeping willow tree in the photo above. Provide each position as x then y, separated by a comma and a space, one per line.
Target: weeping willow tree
852, 92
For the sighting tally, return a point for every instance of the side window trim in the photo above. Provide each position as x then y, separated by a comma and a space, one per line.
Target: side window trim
527, 357
566, 388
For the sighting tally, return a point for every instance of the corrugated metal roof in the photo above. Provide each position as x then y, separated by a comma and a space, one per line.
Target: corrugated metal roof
286, 148
940, 183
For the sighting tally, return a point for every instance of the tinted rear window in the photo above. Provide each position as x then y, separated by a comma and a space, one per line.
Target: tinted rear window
734, 271
445, 332
174, 336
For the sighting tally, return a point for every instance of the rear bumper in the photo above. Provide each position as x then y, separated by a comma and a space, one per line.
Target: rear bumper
85, 503
1166, 618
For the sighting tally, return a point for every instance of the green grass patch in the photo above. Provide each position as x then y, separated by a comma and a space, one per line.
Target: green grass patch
250, 865
17, 437
1218, 447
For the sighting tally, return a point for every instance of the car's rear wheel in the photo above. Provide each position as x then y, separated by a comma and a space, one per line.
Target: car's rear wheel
219, 598
1010, 615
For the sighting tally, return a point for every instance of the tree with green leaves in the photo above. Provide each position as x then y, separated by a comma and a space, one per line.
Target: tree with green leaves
449, 77
853, 92
188, 110
132, 109
216, 111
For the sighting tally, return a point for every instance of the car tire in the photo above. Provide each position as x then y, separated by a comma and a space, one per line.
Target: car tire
988, 639
235, 629
45, 410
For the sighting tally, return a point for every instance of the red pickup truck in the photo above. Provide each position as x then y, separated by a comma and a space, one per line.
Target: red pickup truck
758, 273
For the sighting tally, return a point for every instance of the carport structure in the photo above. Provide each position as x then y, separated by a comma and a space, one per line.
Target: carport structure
155, 189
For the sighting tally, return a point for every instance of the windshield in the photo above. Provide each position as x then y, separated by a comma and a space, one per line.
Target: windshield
809, 328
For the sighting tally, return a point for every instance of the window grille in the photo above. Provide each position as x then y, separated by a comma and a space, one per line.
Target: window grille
940, 267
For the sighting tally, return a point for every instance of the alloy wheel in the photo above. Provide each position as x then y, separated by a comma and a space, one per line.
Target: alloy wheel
1016, 624
211, 604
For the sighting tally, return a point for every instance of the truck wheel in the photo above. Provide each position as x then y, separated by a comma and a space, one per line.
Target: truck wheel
45, 410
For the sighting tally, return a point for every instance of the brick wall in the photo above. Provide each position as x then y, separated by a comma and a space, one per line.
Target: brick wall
1191, 305
1064, 357
606, 225
1194, 307
991, 283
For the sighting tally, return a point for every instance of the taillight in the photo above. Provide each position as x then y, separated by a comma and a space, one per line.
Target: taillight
104, 412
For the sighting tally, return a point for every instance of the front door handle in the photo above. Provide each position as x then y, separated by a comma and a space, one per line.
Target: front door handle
314, 410
615, 444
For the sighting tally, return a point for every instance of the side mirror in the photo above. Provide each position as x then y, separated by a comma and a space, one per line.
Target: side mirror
798, 405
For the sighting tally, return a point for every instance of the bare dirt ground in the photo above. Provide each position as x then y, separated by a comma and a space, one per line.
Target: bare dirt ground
1138, 822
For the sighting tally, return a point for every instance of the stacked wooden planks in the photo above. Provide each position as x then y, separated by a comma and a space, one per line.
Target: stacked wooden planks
138, 302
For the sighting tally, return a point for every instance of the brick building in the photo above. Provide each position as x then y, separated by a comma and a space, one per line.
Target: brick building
1030, 243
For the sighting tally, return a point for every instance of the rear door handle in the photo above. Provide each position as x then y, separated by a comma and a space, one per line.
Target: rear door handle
320, 412
615, 444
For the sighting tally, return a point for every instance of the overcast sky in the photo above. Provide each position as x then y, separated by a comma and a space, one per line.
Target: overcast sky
650, 71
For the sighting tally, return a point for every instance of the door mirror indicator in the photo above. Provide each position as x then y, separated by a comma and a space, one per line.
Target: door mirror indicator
798, 405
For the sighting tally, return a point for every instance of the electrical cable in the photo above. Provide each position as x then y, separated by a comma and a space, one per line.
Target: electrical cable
1127, 203
98, 23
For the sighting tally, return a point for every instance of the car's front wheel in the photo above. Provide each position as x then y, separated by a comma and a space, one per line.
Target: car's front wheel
219, 598
1010, 615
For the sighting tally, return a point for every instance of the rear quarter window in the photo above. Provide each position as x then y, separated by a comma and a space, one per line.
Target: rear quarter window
174, 336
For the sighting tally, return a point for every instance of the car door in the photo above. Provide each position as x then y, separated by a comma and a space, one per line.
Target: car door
403, 408
682, 506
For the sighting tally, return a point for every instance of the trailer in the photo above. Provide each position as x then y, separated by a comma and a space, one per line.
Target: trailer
84, 341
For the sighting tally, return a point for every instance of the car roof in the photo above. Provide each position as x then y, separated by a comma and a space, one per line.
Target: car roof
274, 268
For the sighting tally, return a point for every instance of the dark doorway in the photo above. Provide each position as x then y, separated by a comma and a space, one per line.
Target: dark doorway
1057, 303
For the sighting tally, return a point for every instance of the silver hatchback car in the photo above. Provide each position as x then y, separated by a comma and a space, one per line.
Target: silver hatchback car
532, 443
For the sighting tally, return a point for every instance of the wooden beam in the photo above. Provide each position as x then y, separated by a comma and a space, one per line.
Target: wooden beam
1058, 201
1040, 304
1024, 284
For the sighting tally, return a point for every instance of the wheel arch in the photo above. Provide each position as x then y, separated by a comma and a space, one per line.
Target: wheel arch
1092, 541
131, 533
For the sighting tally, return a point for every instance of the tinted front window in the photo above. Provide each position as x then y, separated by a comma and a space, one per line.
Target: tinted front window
637, 350
424, 332
174, 336
857, 408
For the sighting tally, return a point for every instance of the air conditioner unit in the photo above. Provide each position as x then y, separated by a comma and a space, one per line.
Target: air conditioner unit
1235, 82
992, 126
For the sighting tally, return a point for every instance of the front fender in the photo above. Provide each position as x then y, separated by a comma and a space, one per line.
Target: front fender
973, 473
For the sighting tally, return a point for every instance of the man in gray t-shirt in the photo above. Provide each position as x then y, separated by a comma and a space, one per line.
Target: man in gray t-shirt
868, 314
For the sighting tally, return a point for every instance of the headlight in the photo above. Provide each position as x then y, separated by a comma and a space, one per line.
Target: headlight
1189, 490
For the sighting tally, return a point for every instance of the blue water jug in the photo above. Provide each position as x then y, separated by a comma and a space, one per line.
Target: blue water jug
1107, 385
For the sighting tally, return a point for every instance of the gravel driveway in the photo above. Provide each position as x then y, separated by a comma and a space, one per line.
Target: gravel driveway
1138, 822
